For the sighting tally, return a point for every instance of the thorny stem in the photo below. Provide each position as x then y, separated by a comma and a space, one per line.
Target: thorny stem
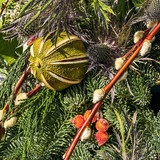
107, 89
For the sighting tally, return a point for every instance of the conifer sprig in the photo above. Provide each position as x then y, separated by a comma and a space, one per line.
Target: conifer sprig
108, 88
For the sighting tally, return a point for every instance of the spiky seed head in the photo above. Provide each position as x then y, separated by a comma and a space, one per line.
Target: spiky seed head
138, 35
98, 95
146, 47
2, 114
10, 123
86, 134
98, 53
152, 10
119, 63
20, 97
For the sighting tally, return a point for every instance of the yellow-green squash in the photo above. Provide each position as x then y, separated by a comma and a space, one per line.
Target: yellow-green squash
61, 65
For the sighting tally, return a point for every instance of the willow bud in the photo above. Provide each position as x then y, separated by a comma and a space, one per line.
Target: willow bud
98, 95
86, 134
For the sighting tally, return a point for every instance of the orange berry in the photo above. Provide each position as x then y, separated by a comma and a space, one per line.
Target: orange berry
102, 125
78, 121
86, 115
101, 137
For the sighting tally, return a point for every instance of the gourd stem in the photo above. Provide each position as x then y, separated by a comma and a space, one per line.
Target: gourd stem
107, 89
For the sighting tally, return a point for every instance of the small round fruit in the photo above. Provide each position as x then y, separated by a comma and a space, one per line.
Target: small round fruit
78, 121
101, 137
102, 125
58, 65
86, 115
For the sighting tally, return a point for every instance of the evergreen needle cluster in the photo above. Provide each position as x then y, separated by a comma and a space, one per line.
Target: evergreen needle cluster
43, 129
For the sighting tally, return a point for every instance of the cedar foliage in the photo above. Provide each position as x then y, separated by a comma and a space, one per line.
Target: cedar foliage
43, 130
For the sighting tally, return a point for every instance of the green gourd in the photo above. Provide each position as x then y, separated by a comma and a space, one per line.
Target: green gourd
61, 65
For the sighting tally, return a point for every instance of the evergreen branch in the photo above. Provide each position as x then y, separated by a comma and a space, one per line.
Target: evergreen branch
108, 88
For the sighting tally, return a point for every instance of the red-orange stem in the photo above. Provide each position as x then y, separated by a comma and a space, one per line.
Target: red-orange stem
107, 89
18, 86
34, 91
137, 44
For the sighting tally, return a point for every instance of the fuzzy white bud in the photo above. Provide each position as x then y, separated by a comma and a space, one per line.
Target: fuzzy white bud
119, 63
20, 97
138, 35
10, 123
151, 24
86, 134
2, 114
98, 95
43, 84
145, 48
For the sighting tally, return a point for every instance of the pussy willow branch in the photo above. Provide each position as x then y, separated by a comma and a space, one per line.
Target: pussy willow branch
18, 86
29, 95
108, 87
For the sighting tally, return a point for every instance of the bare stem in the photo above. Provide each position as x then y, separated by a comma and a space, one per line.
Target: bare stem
18, 86
107, 89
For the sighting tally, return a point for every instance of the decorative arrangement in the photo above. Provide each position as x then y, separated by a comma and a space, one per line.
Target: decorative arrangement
61, 57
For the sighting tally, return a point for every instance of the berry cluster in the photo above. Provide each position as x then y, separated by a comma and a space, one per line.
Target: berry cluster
101, 125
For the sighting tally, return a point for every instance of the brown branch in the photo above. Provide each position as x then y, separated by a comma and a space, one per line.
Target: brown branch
107, 89
18, 86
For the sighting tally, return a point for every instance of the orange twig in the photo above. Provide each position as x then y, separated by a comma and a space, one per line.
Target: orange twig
107, 89
18, 86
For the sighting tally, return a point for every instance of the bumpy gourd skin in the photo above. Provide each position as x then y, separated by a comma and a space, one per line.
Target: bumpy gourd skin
58, 66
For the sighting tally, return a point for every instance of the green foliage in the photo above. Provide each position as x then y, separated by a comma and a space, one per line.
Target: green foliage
81, 151
43, 130
138, 3
100, 7
7, 50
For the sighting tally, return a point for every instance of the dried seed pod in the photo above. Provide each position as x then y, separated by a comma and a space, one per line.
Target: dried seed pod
61, 65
